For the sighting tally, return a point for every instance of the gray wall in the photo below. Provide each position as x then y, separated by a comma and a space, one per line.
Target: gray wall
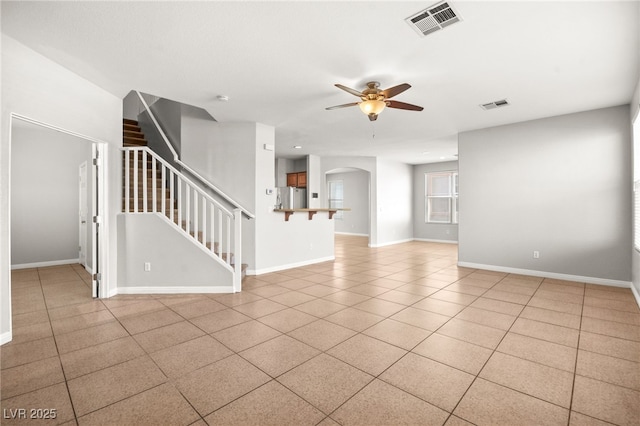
559, 185
421, 229
36, 87
635, 114
45, 195
366, 164
177, 264
356, 197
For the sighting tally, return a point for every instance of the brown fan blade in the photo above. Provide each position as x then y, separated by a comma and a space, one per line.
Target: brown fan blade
342, 106
373, 117
348, 89
396, 90
402, 105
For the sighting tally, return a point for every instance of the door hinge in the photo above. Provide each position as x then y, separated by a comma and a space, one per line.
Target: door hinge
97, 219
97, 277
97, 162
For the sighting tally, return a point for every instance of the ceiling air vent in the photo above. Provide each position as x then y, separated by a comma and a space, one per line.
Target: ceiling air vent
433, 18
495, 104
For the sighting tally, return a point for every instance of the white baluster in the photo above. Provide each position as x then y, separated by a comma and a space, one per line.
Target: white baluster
187, 205
172, 196
135, 181
154, 186
204, 221
144, 182
196, 212
228, 240
127, 180
212, 237
164, 192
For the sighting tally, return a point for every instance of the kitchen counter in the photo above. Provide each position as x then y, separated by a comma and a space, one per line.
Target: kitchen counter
310, 212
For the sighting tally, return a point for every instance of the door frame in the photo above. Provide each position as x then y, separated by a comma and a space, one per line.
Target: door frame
82, 208
99, 205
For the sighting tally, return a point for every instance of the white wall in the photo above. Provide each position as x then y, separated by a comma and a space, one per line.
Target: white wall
559, 185
314, 180
421, 229
356, 198
177, 264
280, 244
635, 114
35, 87
395, 203
223, 153
45, 195
232, 157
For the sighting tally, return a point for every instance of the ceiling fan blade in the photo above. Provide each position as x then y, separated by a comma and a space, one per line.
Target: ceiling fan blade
342, 106
395, 90
348, 89
373, 117
402, 105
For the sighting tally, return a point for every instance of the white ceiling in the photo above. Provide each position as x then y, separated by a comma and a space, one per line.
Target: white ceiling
278, 62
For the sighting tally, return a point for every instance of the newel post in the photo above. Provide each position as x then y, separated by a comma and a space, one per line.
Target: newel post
237, 238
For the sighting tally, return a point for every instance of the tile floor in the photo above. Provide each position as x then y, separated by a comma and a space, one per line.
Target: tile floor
394, 335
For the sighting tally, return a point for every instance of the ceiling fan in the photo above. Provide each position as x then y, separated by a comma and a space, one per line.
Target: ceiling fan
374, 100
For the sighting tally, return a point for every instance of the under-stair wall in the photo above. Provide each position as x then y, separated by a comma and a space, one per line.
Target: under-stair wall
155, 190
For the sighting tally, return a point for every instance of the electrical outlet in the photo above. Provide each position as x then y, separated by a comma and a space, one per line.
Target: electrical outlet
147, 266
536, 254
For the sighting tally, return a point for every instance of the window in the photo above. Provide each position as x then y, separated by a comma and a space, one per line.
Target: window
336, 197
441, 198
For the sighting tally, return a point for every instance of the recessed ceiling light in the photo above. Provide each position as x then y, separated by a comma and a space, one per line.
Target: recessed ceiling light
222, 98
297, 147
442, 158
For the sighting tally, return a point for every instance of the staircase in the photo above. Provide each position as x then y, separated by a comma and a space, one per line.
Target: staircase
151, 185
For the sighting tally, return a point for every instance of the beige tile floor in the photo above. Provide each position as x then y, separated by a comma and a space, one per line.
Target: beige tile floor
394, 335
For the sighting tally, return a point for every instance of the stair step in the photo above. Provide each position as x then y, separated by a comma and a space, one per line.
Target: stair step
134, 141
149, 205
159, 192
133, 134
141, 172
129, 121
132, 127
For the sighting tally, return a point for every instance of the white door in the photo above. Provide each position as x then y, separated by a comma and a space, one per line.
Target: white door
82, 244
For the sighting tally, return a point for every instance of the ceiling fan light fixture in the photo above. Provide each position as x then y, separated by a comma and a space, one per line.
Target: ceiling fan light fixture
372, 106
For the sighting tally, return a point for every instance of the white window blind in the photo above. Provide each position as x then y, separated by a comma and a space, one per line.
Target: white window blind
441, 197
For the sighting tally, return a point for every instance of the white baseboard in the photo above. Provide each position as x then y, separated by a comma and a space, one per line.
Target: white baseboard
45, 264
636, 294
172, 290
390, 243
289, 266
429, 240
353, 234
5, 338
567, 277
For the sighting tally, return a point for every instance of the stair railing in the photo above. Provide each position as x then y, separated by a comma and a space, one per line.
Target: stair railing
176, 159
152, 185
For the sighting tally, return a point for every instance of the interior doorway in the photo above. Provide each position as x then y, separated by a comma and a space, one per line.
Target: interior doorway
350, 188
83, 214
46, 198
